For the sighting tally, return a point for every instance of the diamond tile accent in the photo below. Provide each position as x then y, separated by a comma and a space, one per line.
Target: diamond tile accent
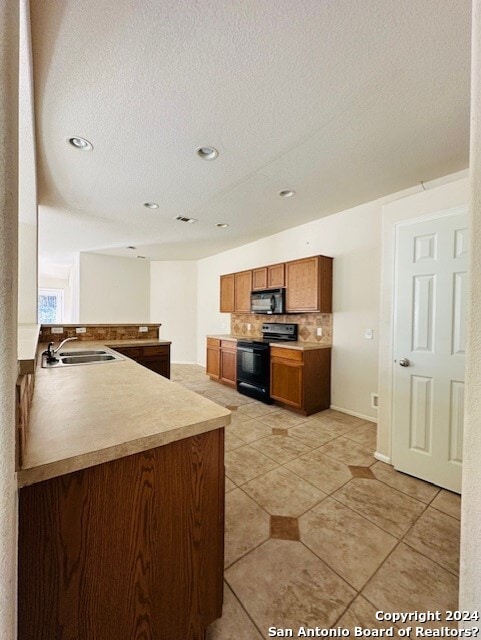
284, 528
362, 472
280, 432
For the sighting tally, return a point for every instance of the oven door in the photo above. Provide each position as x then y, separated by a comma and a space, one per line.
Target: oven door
253, 363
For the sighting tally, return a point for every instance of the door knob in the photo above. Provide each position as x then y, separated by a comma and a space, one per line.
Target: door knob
404, 362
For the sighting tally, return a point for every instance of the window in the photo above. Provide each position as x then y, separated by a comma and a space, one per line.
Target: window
50, 306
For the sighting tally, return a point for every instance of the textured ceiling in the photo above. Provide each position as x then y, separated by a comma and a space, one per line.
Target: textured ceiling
342, 100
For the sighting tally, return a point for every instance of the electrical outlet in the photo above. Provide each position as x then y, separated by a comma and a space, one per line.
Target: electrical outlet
368, 334
56, 330
80, 330
249, 326
319, 331
143, 329
374, 400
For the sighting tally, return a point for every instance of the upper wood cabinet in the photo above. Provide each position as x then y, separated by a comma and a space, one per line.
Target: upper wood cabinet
309, 285
227, 284
242, 292
271, 277
276, 276
259, 279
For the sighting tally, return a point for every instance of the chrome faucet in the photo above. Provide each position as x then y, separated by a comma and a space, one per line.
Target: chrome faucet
51, 352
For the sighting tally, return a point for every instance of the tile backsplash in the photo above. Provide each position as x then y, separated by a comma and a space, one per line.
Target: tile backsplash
308, 325
99, 332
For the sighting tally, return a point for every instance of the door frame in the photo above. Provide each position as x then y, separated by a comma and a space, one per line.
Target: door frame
387, 324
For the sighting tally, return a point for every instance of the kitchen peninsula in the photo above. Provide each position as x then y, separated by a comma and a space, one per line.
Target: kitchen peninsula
121, 505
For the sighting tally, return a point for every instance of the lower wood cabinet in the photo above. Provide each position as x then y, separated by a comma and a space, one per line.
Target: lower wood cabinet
221, 361
301, 379
154, 357
127, 549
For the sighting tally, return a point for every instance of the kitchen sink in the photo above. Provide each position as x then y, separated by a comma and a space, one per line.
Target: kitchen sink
87, 359
73, 358
82, 352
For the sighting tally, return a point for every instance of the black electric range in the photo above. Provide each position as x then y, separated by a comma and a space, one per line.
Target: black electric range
253, 370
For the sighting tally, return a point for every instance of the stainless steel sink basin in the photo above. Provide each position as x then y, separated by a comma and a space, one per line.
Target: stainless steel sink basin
73, 358
82, 352
87, 359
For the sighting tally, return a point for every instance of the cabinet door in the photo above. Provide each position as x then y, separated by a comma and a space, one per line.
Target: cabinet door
259, 279
159, 364
243, 288
287, 381
213, 362
302, 283
228, 366
227, 293
276, 276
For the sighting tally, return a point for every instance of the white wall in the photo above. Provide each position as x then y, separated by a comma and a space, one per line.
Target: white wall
434, 199
173, 303
353, 239
27, 273
8, 312
470, 570
114, 290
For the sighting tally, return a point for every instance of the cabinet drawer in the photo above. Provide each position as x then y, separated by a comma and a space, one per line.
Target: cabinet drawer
287, 354
213, 342
157, 350
228, 344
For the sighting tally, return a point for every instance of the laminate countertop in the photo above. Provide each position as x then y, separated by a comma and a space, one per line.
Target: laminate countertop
294, 344
90, 414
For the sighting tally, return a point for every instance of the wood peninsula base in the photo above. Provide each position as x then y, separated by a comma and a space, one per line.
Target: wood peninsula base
126, 550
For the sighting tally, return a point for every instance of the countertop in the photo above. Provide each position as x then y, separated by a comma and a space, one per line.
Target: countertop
27, 339
87, 415
294, 344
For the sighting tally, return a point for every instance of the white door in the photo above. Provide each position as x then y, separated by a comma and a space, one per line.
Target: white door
429, 343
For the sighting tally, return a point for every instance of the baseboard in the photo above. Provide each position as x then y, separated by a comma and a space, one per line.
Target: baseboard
353, 413
183, 362
382, 458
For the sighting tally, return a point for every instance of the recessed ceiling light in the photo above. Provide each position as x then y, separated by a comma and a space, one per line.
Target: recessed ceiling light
207, 153
287, 193
141, 257
184, 219
151, 205
131, 247
81, 143
222, 225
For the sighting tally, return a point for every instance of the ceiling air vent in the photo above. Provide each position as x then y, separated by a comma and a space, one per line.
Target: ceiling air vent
184, 219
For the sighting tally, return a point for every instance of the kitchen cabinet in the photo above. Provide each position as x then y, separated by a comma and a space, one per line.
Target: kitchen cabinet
301, 379
242, 291
227, 284
276, 276
271, 277
221, 361
131, 548
259, 279
309, 285
228, 362
213, 358
154, 357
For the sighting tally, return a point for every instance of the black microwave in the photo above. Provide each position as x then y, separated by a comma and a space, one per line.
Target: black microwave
269, 302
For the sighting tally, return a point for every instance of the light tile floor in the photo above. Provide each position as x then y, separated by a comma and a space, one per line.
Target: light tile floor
319, 533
